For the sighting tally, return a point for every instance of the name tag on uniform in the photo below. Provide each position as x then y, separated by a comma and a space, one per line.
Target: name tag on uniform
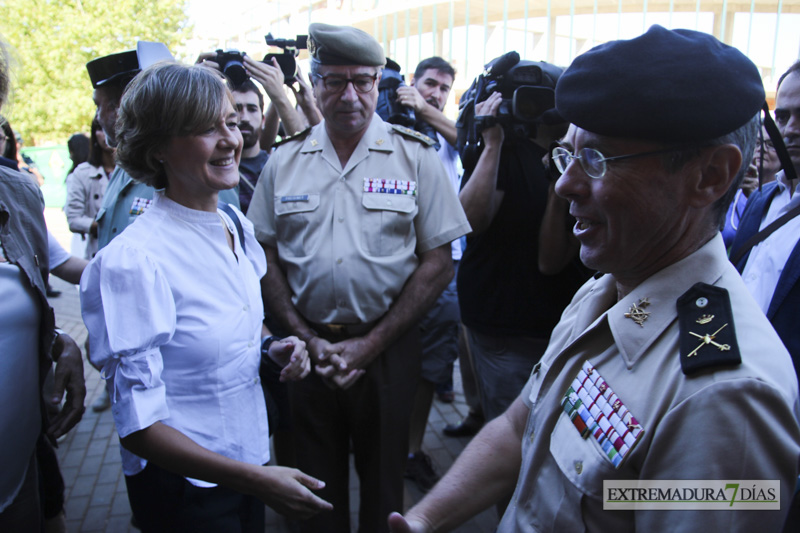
295, 198
385, 186
597, 411
139, 205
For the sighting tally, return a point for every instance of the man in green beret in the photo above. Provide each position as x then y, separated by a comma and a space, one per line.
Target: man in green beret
662, 368
356, 217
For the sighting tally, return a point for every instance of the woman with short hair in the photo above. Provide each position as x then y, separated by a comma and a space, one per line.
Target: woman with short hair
174, 312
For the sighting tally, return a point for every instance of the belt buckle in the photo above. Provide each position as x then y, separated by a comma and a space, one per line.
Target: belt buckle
337, 329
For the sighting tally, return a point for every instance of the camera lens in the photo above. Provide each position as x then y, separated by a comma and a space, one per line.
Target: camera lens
234, 70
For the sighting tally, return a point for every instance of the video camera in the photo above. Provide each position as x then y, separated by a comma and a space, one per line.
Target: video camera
231, 63
286, 60
388, 108
528, 99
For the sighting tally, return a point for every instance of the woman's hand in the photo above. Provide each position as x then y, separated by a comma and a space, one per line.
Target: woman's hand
288, 491
291, 354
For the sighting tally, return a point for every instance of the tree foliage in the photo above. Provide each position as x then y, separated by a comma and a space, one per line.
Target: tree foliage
52, 41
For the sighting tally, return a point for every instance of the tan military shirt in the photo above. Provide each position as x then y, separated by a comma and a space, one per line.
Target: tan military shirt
721, 423
348, 244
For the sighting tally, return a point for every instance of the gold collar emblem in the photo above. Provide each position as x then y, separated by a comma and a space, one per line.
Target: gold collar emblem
637, 312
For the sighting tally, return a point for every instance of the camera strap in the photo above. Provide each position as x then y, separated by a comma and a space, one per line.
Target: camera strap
243, 178
764, 233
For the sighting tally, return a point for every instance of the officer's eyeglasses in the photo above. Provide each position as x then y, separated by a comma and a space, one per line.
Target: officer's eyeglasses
593, 161
362, 83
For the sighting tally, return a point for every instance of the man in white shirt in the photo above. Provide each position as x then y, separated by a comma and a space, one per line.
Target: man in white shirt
772, 268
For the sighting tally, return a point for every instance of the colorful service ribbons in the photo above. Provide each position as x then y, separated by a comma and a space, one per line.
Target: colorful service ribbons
390, 186
596, 410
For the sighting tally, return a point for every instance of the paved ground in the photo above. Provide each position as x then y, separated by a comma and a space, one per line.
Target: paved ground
96, 499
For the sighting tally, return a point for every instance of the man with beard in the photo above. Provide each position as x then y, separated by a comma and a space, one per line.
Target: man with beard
250, 106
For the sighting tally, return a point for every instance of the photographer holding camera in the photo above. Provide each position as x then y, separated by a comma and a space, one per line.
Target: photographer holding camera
508, 306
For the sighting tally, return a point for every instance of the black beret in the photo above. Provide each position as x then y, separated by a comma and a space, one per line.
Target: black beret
669, 86
113, 67
125, 65
343, 45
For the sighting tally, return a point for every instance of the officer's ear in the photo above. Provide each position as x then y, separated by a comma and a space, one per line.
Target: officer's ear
713, 175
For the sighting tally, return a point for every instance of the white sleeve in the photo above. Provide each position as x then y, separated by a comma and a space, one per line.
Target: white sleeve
129, 310
58, 255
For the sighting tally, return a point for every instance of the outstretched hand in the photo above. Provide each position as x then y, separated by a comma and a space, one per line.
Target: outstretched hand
288, 491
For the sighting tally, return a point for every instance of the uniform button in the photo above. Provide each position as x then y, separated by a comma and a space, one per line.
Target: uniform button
246, 308
388, 202
342, 303
255, 380
113, 230
339, 261
250, 344
578, 467
341, 219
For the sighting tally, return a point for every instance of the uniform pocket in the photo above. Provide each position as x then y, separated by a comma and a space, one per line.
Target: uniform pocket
388, 226
296, 220
582, 461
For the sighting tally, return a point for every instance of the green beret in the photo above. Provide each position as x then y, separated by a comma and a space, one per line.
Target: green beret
671, 86
343, 45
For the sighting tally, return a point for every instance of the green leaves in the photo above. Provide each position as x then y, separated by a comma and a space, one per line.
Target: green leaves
53, 40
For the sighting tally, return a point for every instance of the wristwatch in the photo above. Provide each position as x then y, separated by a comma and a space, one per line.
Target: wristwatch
266, 342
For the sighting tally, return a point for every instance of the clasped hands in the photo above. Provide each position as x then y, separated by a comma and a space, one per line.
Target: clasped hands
341, 364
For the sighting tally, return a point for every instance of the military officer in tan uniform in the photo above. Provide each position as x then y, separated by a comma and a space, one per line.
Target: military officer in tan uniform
663, 366
356, 217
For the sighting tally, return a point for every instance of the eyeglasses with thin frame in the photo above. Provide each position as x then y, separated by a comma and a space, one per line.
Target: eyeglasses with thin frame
594, 162
362, 83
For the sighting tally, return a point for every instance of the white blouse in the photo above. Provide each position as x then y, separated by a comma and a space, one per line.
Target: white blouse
174, 320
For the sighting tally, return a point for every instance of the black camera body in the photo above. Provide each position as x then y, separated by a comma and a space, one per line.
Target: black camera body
231, 63
388, 108
286, 60
528, 100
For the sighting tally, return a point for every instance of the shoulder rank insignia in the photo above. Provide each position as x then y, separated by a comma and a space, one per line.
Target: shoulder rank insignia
299, 136
708, 336
414, 134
